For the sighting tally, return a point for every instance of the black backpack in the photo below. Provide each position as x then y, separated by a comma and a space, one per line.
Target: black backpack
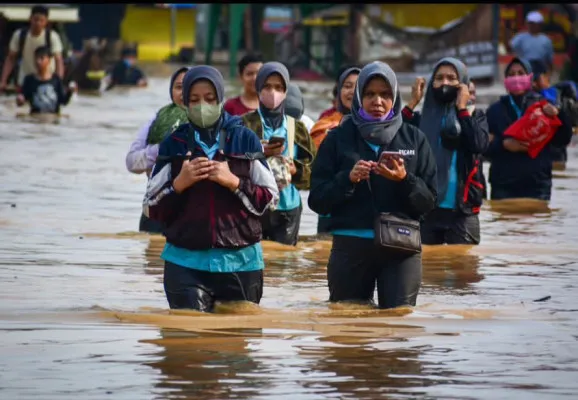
22, 40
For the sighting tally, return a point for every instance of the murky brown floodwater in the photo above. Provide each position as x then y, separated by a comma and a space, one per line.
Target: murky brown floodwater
83, 313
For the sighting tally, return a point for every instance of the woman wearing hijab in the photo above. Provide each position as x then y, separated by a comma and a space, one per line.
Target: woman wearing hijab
290, 163
352, 182
458, 140
144, 150
295, 106
210, 187
345, 90
513, 173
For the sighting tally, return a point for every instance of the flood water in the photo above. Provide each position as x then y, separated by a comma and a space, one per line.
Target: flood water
83, 313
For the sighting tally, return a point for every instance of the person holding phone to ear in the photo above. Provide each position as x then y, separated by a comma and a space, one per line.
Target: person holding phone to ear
458, 139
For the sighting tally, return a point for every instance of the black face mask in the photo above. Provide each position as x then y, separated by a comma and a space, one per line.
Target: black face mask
445, 93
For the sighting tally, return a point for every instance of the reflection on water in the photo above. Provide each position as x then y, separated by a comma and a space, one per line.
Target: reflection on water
83, 313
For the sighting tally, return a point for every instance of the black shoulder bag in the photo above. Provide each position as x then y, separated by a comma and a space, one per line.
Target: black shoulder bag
395, 231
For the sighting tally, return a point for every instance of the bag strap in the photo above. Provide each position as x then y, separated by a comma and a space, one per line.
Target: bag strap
21, 42
291, 135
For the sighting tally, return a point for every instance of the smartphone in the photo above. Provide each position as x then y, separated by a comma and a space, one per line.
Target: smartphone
388, 155
277, 140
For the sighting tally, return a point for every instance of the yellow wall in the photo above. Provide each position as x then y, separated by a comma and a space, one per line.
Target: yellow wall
151, 29
425, 15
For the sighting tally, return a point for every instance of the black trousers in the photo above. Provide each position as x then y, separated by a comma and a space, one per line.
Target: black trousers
282, 226
357, 265
148, 225
198, 290
452, 227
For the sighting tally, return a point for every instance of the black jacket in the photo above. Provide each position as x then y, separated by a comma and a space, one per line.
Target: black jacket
473, 142
517, 172
350, 205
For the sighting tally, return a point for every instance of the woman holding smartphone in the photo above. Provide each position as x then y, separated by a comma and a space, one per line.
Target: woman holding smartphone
289, 150
353, 182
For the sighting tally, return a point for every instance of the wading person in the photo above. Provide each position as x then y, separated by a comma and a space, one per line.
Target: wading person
370, 165
209, 188
458, 139
125, 72
24, 43
289, 150
513, 173
44, 90
248, 101
345, 90
143, 152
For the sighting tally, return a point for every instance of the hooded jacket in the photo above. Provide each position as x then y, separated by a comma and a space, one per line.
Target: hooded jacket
353, 205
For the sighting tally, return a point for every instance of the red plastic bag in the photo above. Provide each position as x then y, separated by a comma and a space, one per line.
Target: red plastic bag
535, 128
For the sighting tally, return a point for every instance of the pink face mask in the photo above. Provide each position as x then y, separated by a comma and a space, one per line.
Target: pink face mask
518, 83
272, 98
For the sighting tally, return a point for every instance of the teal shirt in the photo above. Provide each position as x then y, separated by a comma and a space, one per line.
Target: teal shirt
216, 260
249, 258
449, 200
289, 198
360, 233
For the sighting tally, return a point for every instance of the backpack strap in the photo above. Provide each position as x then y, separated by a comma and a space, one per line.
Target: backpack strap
21, 42
48, 37
290, 135
222, 140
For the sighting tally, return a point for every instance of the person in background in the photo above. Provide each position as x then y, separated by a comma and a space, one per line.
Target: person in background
345, 89
352, 183
24, 43
292, 162
513, 173
563, 96
458, 139
143, 152
44, 90
333, 108
295, 106
210, 197
248, 101
125, 72
534, 45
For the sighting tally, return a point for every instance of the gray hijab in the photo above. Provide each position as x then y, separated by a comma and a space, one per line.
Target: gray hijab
434, 115
340, 107
294, 103
376, 132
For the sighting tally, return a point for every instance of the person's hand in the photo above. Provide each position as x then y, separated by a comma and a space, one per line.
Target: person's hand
550, 110
361, 171
142, 83
20, 100
463, 96
393, 170
515, 146
192, 172
417, 92
221, 174
271, 150
292, 168
73, 87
